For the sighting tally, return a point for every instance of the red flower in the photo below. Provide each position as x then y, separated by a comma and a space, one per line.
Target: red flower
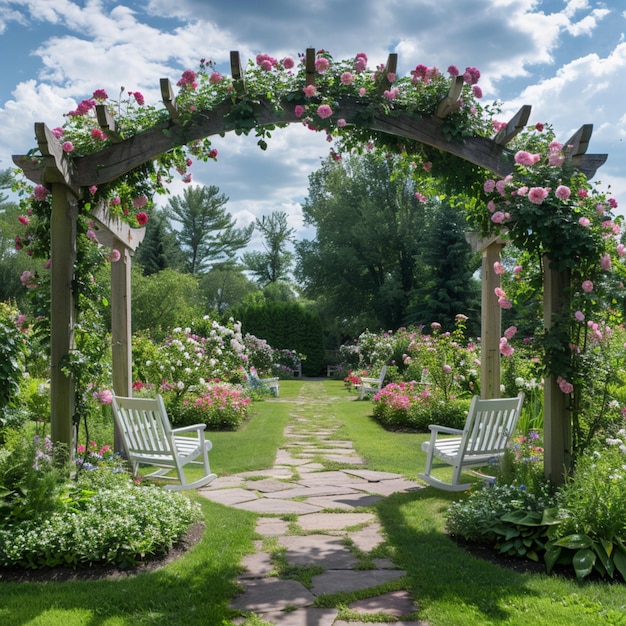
142, 218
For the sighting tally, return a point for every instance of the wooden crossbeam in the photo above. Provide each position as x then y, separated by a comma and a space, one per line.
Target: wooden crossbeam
115, 229
168, 97
237, 72
52, 166
450, 102
514, 127
310, 66
107, 123
578, 143
390, 68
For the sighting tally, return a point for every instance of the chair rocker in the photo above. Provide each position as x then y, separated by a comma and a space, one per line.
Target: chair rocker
488, 428
149, 439
371, 386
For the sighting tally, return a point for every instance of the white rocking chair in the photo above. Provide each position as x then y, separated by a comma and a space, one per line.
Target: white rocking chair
149, 439
488, 428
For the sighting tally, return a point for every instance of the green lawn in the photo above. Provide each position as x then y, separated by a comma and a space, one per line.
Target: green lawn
450, 586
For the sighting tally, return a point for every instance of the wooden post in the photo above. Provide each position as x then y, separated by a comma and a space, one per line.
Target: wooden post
62, 315
121, 337
490, 324
557, 429
491, 314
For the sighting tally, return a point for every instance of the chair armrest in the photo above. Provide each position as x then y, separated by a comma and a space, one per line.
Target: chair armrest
188, 429
369, 380
444, 429
269, 380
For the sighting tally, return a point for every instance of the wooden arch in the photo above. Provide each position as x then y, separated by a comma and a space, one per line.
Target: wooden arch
123, 155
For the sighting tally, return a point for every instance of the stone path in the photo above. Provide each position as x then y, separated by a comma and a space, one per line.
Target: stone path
315, 522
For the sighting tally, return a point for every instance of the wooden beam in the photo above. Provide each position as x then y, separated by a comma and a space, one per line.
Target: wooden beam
115, 229
514, 127
237, 72
450, 102
168, 97
107, 123
52, 166
390, 68
310, 66
578, 143
589, 164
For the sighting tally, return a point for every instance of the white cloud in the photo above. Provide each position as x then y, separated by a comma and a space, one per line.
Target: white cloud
588, 24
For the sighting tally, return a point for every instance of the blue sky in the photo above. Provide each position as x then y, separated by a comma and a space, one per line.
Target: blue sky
566, 58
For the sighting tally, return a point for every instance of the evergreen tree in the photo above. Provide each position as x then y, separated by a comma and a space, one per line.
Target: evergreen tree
208, 234
160, 248
447, 286
273, 264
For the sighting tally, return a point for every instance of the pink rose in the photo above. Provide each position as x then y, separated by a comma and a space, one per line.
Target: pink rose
562, 192
587, 286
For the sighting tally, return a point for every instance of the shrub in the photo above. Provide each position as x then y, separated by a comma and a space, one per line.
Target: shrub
13, 351
121, 526
30, 483
412, 406
591, 534
509, 517
220, 406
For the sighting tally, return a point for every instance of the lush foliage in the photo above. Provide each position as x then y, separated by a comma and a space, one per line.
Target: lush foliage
286, 326
591, 533
13, 351
581, 526
102, 518
387, 252
412, 406
220, 406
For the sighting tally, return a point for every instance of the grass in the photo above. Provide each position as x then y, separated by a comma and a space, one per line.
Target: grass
450, 586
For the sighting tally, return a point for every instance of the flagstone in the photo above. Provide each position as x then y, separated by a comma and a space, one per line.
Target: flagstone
257, 565
272, 594
277, 506
395, 603
334, 521
334, 581
387, 487
372, 475
327, 551
366, 539
271, 526
300, 617
305, 492
268, 485
344, 501
230, 497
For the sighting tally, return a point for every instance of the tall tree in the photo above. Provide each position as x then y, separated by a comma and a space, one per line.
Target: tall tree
160, 248
273, 264
361, 264
225, 286
447, 286
208, 234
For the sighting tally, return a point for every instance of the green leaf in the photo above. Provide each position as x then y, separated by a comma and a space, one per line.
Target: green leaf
551, 557
604, 564
574, 542
550, 517
583, 562
619, 558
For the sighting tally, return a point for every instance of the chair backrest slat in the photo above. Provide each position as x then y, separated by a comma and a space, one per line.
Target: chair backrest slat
490, 425
144, 424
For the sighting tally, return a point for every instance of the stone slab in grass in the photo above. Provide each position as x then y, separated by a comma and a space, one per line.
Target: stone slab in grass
257, 565
271, 526
229, 497
332, 477
367, 538
335, 581
305, 492
334, 521
268, 485
323, 550
372, 475
272, 594
344, 501
394, 603
388, 487
277, 506
301, 617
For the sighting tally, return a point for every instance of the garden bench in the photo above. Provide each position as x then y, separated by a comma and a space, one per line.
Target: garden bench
149, 439
255, 382
483, 440
372, 385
